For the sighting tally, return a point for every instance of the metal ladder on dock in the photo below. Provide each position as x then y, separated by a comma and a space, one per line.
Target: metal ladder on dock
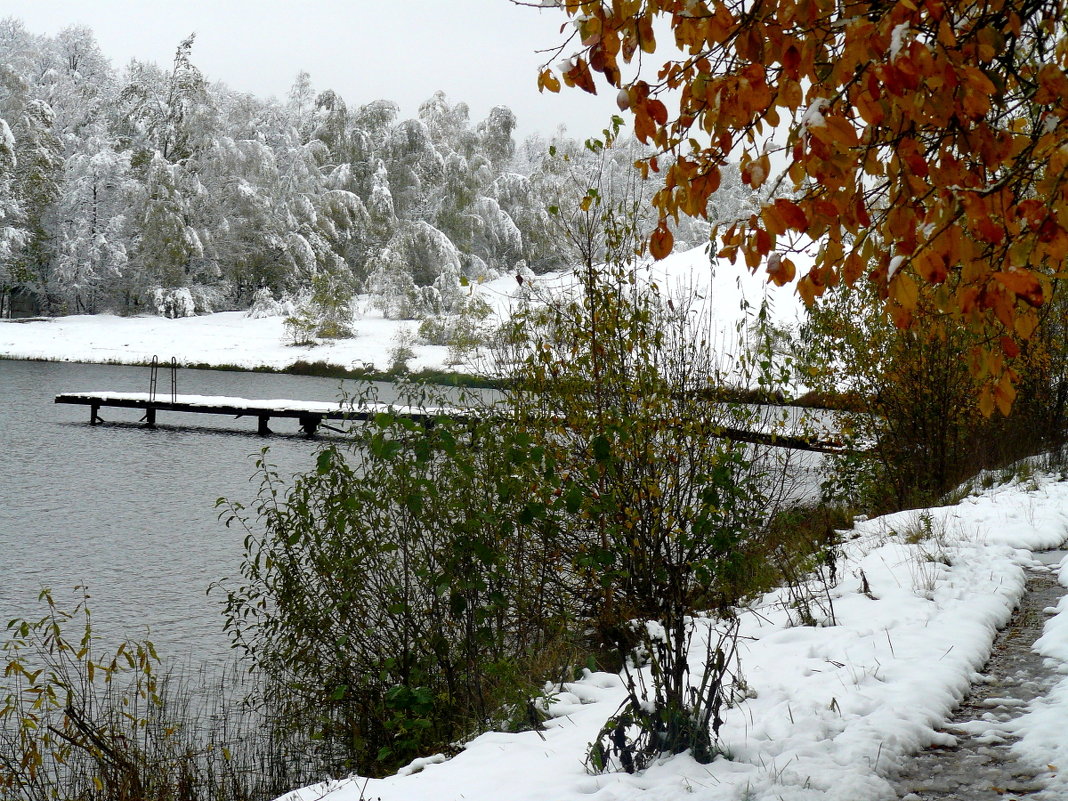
153, 381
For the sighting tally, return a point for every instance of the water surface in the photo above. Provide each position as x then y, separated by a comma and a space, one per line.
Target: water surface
127, 511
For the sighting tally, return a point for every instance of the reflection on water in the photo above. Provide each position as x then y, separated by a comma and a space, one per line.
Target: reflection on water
127, 511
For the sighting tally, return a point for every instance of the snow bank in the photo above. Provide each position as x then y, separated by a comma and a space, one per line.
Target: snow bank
225, 338
833, 708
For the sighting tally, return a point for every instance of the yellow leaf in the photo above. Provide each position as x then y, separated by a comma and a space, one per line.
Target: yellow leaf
548, 81
1025, 324
986, 402
1005, 394
905, 291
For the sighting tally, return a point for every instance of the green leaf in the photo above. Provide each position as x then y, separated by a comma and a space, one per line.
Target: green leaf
602, 448
573, 499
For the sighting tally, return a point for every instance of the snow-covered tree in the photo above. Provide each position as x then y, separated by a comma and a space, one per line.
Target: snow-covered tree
38, 170
415, 167
497, 240
390, 285
301, 105
78, 83
89, 220
170, 113
426, 250
166, 243
495, 136
527, 210
12, 234
448, 125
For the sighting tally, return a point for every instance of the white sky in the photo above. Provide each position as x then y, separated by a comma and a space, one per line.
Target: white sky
479, 51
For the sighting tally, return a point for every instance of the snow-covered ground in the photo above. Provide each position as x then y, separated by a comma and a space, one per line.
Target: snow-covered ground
232, 338
833, 709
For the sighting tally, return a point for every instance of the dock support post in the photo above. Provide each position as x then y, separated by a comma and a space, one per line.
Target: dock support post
263, 430
93, 409
150, 417
310, 423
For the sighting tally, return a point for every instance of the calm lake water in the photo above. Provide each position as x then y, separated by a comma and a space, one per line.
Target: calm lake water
130, 512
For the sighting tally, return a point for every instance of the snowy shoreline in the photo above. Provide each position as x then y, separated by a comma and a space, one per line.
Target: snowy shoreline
833, 709
221, 340
233, 339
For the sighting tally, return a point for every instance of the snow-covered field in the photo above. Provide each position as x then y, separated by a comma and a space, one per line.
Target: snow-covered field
232, 338
833, 709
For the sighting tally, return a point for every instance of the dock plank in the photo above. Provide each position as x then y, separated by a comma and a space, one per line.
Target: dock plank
310, 414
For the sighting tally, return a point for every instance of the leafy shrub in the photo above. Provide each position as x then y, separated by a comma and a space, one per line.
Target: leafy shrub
924, 418
79, 724
662, 512
402, 595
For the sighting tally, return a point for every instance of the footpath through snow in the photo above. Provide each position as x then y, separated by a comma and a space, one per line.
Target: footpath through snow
833, 710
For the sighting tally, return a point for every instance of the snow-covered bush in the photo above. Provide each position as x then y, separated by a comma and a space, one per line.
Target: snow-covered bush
326, 312
402, 351
463, 331
265, 305
208, 298
391, 287
173, 302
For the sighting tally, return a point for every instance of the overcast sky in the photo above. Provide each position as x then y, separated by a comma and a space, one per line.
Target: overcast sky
479, 51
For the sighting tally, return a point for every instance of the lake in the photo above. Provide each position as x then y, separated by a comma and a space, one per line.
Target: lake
128, 511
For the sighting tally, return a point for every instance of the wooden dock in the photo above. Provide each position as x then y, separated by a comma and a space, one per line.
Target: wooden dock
309, 414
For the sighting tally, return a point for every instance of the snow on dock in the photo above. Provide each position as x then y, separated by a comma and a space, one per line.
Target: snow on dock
310, 414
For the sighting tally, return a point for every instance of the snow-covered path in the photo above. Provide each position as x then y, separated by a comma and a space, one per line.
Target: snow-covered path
988, 762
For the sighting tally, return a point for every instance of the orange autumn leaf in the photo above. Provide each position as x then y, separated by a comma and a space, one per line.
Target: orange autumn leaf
1052, 84
780, 270
661, 241
791, 214
1025, 285
579, 75
772, 221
